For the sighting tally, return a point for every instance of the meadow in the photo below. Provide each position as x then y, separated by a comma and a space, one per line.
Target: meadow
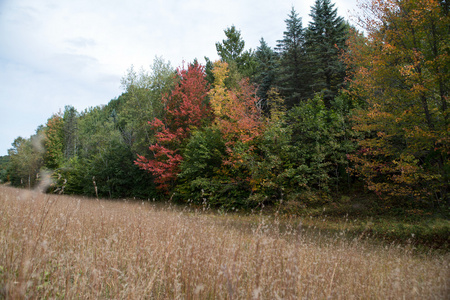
70, 247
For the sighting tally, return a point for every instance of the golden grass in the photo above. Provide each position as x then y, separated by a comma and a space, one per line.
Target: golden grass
66, 247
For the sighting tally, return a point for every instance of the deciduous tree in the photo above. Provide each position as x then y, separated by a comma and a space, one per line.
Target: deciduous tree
26, 160
236, 112
142, 102
401, 73
54, 142
185, 108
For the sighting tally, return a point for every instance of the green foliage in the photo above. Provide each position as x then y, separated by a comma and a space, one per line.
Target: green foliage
202, 177
70, 143
231, 51
142, 102
70, 178
208, 71
203, 155
232, 48
114, 173
324, 39
26, 160
4, 162
292, 79
320, 143
104, 163
54, 142
302, 152
269, 165
265, 72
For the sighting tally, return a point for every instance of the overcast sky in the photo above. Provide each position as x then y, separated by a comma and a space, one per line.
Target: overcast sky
74, 52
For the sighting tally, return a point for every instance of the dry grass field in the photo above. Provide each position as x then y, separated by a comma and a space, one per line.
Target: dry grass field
65, 247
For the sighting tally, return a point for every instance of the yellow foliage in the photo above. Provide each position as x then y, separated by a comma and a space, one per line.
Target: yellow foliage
219, 97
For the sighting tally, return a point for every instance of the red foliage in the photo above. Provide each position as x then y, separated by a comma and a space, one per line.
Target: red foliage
236, 114
185, 109
243, 122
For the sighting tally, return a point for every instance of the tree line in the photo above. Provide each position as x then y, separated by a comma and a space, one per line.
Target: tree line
328, 111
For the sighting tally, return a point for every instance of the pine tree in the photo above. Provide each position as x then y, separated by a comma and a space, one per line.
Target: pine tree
292, 81
324, 37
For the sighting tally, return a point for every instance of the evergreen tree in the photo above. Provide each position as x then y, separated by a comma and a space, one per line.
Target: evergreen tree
291, 73
325, 36
265, 71
70, 119
231, 48
231, 51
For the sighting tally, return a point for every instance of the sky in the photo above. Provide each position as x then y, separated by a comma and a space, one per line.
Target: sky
55, 53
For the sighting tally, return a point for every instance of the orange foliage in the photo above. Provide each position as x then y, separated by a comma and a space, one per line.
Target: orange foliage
236, 112
399, 74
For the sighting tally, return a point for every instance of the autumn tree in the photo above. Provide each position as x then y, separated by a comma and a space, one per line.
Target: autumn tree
185, 109
400, 72
215, 166
236, 112
238, 117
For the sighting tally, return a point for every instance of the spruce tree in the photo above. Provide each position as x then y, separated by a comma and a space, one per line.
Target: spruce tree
292, 81
324, 37
265, 71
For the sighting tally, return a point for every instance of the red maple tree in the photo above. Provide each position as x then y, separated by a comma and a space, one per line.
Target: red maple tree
185, 109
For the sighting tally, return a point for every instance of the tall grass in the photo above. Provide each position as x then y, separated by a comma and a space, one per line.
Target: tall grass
66, 247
